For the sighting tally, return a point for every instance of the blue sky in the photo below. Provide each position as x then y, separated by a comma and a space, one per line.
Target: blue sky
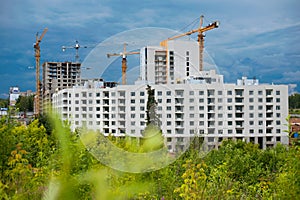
255, 39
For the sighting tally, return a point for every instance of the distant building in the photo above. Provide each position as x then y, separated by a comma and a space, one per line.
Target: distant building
14, 93
295, 129
58, 76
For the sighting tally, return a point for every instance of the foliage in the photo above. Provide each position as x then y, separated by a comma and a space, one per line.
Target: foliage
25, 103
3, 103
294, 101
38, 164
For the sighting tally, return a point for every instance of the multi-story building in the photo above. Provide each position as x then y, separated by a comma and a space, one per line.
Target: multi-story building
189, 102
14, 94
57, 76
199, 106
159, 65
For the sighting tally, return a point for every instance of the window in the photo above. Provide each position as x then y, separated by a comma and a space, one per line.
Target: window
250, 100
260, 107
191, 92
132, 94
220, 92
142, 100
277, 114
97, 101
277, 122
251, 131
229, 123
229, 115
76, 95
277, 100
201, 100
229, 100
251, 123
201, 107
260, 131
201, 123
229, 92
201, 92
260, 100
277, 107
132, 108
169, 123
278, 131
142, 93
260, 123
191, 100
169, 116
169, 108
201, 115
168, 100
191, 115
251, 115
142, 108
132, 101
142, 116
220, 100
260, 115
277, 92
192, 108
191, 123
220, 115
132, 115
229, 107
220, 123
251, 92
159, 93
159, 100
251, 107
259, 92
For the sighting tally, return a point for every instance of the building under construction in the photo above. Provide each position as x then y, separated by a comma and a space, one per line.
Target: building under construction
58, 76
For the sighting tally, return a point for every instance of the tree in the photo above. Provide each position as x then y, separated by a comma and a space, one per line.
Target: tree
25, 103
152, 117
294, 101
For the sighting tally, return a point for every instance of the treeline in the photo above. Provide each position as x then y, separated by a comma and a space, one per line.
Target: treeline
294, 101
41, 164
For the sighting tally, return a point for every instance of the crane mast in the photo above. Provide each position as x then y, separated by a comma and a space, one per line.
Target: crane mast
124, 61
37, 64
201, 36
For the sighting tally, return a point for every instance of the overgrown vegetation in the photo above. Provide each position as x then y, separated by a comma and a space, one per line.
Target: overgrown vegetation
37, 165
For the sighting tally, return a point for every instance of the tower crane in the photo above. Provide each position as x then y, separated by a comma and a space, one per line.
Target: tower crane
124, 61
76, 47
37, 49
201, 36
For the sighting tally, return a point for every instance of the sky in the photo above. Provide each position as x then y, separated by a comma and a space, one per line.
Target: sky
255, 39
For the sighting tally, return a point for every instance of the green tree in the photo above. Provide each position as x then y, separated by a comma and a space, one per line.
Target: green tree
25, 103
294, 101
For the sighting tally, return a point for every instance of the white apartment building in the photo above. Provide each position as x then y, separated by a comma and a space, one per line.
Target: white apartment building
189, 102
160, 65
198, 106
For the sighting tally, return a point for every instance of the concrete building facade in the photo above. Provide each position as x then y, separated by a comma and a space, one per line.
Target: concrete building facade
201, 106
57, 76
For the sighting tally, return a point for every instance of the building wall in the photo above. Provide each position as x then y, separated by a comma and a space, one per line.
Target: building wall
171, 65
215, 111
